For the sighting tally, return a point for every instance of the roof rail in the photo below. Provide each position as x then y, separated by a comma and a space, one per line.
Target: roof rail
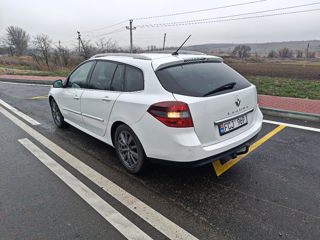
180, 52
132, 55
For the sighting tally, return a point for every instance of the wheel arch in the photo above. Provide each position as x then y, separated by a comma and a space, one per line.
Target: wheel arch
114, 127
50, 99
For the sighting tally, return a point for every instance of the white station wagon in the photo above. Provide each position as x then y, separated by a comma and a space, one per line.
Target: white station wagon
190, 109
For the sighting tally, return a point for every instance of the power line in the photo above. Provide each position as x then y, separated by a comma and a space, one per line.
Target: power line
200, 10
174, 24
173, 14
120, 29
230, 16
102, 28
113, 32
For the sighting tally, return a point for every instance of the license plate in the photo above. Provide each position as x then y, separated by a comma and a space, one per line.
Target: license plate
233, 124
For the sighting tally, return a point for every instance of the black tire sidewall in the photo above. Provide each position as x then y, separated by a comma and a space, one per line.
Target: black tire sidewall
141, 154
62, 123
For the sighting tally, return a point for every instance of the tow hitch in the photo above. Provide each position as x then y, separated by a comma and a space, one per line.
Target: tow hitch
246, 150
234, 155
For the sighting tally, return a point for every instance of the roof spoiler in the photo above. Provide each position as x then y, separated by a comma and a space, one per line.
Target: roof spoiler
190, 60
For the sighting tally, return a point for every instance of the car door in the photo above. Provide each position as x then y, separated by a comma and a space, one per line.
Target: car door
97, 101
70, 98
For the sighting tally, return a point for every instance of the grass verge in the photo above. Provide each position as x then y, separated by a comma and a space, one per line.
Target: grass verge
286, 87
43, 73
19, 67
37, 73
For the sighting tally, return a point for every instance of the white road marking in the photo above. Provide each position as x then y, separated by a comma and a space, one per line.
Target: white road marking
293, 125
154, 218
121, 223
20, 114
28, 84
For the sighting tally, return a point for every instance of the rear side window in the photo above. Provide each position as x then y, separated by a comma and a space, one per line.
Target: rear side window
198, 79
118, 78
134, 79
102, 75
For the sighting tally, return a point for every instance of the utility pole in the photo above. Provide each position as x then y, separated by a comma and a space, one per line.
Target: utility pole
59, 44
130, 28
307, 53
86, 54
79, 39
164, 40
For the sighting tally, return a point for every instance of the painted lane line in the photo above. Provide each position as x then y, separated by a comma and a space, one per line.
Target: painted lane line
39, 97
293, 125
26, 84
154, 218
221, 168
20, 114
116, 219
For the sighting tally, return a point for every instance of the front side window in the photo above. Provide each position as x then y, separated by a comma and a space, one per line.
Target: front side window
134, 79
117, 81
102, 75
78, 79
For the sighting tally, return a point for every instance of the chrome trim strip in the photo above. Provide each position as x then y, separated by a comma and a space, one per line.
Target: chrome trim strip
229, 118
95, 118
69, 110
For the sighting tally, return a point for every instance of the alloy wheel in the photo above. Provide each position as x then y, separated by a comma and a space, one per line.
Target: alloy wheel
127, 148
56, 113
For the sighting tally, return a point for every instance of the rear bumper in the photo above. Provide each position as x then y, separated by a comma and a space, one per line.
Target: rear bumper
207, 160
182, 144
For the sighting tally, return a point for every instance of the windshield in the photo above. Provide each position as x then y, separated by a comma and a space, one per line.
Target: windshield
197, 79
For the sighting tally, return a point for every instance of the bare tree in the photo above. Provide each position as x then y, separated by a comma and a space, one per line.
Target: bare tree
272, 54
88, 49
311, 54
42, 45
151, 48
106, 45
299, 54
65, 56
17, 40
285, 53
136, 49
241, 51
61, 56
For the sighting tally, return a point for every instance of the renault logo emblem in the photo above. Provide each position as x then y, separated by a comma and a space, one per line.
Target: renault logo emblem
237, 101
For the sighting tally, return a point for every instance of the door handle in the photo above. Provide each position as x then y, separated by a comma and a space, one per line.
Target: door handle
76, 97
106, 99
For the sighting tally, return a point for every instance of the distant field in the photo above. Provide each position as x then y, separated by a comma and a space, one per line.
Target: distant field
286, 87
302, 63
294, 70
260, 48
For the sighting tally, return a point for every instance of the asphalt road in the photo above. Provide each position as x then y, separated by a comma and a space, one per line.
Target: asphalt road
272, 193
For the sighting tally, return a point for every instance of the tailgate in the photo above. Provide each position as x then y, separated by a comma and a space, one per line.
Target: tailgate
205, 111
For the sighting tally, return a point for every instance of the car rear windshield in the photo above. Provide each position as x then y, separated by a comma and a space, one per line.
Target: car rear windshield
199, 79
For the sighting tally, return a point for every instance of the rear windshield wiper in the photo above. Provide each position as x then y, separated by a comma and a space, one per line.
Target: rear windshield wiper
222, 88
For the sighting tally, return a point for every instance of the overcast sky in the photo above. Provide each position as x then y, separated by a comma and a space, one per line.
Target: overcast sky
60, 19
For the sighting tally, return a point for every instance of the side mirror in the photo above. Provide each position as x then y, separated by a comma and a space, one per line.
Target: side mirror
58, 84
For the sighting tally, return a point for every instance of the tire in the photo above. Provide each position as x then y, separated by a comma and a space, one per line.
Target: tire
129, 150
56, 115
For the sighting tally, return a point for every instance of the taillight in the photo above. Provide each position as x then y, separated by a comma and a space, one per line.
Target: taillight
172, 114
